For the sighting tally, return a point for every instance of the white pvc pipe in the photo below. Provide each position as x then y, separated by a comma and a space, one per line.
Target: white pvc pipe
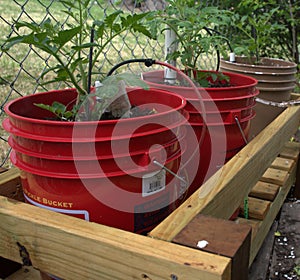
170, 47
232, 57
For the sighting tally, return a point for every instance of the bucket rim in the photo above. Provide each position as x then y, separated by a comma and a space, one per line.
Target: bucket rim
289, 64
221, 111
16, 147
246, 119
234, 98
141, 170
252, 81
8, 126
13, 115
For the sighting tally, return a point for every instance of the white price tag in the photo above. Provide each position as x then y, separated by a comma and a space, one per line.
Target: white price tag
154, 182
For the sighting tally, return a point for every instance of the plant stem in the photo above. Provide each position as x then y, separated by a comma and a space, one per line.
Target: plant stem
70, 74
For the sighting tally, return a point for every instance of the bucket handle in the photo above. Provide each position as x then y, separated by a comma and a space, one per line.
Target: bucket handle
170, 171
241, 115
240, 128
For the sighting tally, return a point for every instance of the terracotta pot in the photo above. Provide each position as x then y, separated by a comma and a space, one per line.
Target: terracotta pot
276, 80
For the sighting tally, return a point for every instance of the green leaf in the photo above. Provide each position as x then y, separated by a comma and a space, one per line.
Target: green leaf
128, 78
62, 74
31, 25
214, 77
99, 30
143, 30
65, 36
51, 69
297, 269
47, 25
86, 3
78, 62
40, 41
68, 115
59, 108
68, 3
11, 42
45, 107
110, 19
85, 46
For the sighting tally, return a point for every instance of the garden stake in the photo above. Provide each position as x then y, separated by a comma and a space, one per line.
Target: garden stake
246, 208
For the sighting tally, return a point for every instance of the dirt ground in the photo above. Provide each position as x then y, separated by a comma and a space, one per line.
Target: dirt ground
285, 262
279, 256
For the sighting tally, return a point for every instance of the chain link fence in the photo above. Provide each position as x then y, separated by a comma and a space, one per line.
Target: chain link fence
21, 69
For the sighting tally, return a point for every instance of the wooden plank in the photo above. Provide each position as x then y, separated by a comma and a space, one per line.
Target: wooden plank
221, 195
258, 208
7, 267
283, 163
75, 249
295, 96
290, 153
275, 176
2, 170
255, 224
296, 145
10, 184
260, 266
297, 183
275, 206
26, 273
265, 191
223, 237
292, 145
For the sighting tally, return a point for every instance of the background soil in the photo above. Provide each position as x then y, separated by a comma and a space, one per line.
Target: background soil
285, 262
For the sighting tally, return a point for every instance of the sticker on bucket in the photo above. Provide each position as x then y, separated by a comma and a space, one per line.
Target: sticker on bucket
153, 183
82, 214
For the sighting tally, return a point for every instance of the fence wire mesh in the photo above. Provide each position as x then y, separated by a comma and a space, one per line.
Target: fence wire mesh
22, 68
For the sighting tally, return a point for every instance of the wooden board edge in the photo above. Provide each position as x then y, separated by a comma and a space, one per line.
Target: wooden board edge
75, 249
266, 224
239, 173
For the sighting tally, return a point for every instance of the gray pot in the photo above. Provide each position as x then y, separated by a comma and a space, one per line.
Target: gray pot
276, 80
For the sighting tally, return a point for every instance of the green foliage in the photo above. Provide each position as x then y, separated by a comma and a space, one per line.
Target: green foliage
110, 84
257, 23
106, 95
59, 110
189, 20
297, 269
287, 40
69, 44
208, 79
92, 106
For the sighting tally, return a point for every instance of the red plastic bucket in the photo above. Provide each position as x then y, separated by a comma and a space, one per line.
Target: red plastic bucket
104, 171
242, 87
226, 116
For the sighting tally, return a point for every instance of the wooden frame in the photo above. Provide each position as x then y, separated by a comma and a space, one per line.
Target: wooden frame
75, 249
